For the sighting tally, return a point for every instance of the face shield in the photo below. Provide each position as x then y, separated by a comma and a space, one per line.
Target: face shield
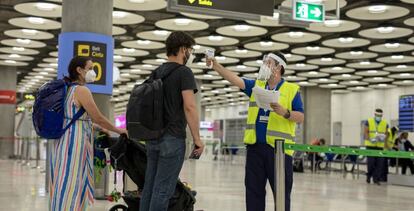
269, 63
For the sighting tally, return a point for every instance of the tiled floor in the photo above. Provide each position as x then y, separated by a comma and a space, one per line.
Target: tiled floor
220, 188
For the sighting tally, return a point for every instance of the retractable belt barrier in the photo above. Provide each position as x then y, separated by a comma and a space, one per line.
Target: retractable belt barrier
349, 151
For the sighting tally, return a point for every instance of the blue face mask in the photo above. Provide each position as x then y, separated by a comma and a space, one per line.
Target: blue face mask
378, 119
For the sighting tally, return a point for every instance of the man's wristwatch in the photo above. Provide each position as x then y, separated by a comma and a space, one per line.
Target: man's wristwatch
287, 115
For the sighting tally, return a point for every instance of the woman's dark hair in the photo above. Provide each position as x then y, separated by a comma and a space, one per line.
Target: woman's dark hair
283, 58
176, 40
77, 61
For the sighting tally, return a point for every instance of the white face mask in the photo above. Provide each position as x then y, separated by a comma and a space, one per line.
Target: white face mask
90, 76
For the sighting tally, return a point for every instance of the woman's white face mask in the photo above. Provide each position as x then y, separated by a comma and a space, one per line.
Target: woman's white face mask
90, 76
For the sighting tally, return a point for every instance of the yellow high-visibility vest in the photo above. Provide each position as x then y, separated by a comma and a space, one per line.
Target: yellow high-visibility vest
278, 127
375, 129
391, 138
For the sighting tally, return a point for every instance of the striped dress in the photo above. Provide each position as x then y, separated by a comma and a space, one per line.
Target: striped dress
71, 163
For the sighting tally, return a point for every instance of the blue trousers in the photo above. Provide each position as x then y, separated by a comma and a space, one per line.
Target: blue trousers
260, 168
165, 160
375, 168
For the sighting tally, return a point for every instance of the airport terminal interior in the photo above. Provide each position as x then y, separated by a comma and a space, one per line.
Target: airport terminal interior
352, 59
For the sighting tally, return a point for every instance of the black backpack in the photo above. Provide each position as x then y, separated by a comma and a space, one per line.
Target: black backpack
145, 109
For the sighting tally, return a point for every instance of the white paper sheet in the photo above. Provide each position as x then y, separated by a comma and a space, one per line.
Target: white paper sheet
264, 97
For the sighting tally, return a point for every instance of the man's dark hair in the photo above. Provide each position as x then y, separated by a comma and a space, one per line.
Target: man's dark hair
177, 40
283, 58
378, 110
77, 61
322, 141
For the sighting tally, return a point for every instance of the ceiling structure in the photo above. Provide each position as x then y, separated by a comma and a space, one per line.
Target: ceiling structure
371, 47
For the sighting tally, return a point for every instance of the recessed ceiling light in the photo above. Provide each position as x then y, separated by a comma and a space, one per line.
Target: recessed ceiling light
36, 20
332, 84
259, 61
313, 48
346, 40
295, 34
405, 74
39, 76
397, 57
10, 61
303, 82
241, 51
360, 87
215, 38
365, 63
346, 75
337, 68
288, 55
30, 32
160, 60
143, 42
14, 56
332, 23
53, 64
313, 73
220, 58
291, 76
201, 63
128, 50
382, 85
356, 53
300, 65
23, 41
385, 30
44, 73
266, 43
407, 81
45, 6
378, 78
117, 57
241, 28
323, 79
377, 9
18, 49
354, 82
137, 1
48, 69
241, 67
119, 14
392, 45
161, 33
182, 21
197, 47
372, 71
401, 66
147, 65
326, 59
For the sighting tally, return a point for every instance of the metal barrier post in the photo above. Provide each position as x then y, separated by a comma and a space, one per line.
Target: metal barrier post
28, 148
357, 168
280, 175
343, 165
396, 166
37, 166
314, 162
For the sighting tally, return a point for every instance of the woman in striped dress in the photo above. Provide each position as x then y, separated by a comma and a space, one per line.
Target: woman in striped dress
71, 173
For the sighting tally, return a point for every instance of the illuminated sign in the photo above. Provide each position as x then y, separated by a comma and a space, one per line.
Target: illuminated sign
98, 47
240, 9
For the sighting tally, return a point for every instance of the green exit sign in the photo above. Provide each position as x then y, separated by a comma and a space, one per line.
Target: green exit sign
306, 11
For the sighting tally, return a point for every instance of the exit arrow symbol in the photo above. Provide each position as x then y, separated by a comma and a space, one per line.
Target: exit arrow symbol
316, 12
191, 1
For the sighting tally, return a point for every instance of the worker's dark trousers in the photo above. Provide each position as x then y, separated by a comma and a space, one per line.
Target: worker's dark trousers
260, 168
375, 166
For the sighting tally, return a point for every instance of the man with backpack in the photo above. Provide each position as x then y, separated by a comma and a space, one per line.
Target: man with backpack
166, 154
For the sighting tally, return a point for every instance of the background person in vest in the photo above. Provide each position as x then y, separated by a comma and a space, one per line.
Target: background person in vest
392, 133
263, 127
376, 135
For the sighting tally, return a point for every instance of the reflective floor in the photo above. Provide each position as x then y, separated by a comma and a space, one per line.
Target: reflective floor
220, 188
